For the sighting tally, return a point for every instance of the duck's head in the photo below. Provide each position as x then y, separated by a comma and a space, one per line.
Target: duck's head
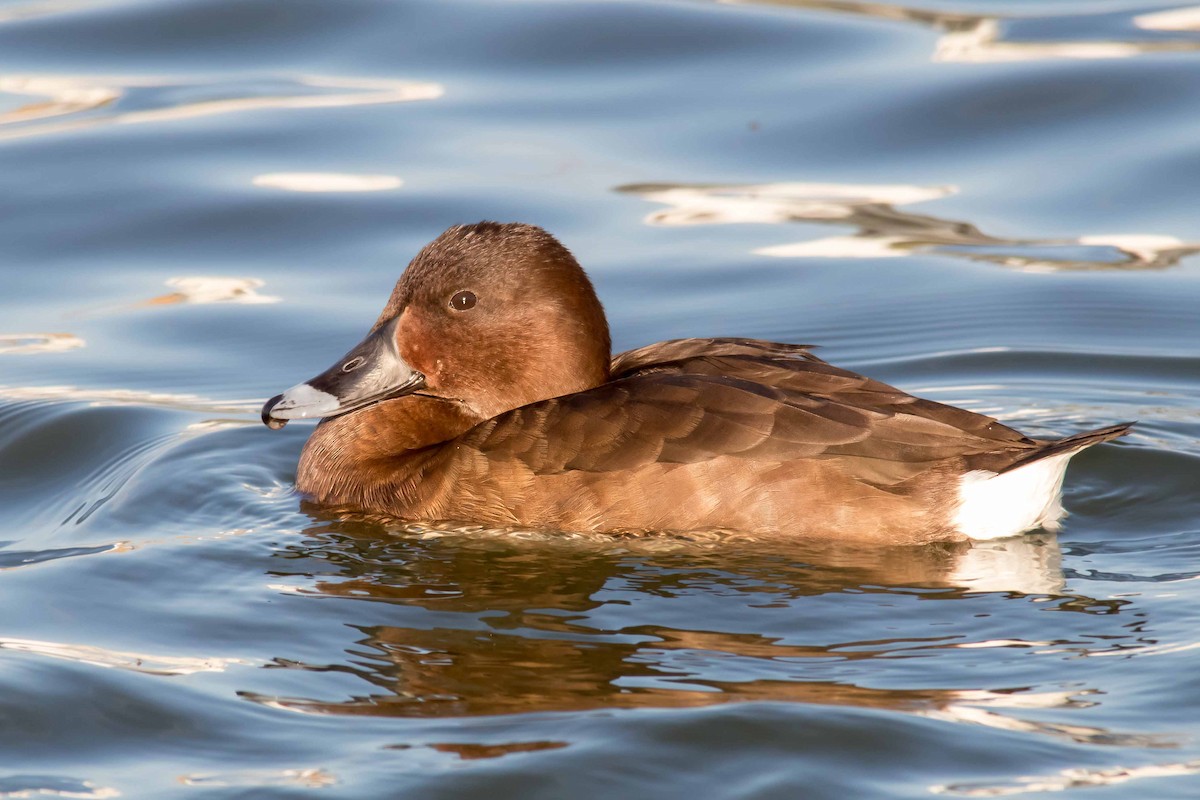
488, 317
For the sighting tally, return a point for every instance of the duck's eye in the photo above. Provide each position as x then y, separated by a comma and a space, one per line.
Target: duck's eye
463, 300
353, 364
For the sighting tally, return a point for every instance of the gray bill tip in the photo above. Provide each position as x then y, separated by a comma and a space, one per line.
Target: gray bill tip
300, 402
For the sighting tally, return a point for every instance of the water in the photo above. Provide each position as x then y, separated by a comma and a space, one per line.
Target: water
205, 201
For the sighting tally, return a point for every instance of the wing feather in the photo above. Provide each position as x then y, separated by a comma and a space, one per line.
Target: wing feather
693, 400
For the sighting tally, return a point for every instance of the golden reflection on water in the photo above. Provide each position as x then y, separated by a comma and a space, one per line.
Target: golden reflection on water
475, 751
1073, 778
39, 342
983, 42
73, 102
195, 290
773, 203
22, 11
146, 663
984, 38
64, 96
1174, 19
541, 649
327, 182
33, 785
886, 231
209, 289
308, 778
129, 397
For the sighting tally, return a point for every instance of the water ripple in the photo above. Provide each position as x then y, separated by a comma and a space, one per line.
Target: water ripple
76, 102
1186, 18
327, 182
309, 778
25, 343
208, 289
885, 231
135, 662
1073, 778
42, 8
27, 786
427, 683
1000, 38
12, 559
973, 708
129, 397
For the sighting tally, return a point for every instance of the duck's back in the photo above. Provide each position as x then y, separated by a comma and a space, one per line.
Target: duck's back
724, 433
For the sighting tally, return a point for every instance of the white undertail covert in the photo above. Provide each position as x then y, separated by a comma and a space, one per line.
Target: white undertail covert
993, 506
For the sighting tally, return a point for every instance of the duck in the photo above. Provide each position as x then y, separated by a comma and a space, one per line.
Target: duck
486, 393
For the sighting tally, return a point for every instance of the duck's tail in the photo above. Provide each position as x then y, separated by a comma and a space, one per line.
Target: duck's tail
1025, 494
1071, 444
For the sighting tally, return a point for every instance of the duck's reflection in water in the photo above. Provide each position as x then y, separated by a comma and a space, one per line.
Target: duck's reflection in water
554, 625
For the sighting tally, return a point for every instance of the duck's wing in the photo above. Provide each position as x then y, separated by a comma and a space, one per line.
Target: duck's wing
760, 401
675, 351
794, 367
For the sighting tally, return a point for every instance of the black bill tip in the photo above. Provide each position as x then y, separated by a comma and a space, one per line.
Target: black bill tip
271, 422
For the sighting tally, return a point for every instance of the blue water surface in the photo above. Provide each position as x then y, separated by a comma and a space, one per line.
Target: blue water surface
202, 202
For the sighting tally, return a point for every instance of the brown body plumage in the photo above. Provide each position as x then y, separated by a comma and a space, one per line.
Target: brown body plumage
519, 418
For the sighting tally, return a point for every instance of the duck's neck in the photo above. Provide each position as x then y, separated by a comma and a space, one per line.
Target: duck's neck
364, 457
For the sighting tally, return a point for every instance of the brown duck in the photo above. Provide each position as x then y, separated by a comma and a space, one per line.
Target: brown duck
486, 393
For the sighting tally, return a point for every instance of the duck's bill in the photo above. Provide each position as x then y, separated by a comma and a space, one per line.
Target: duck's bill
371, 372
